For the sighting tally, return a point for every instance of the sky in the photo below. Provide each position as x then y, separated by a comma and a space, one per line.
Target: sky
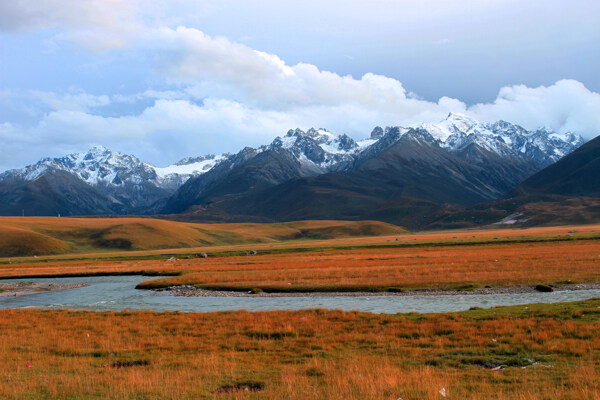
166, 80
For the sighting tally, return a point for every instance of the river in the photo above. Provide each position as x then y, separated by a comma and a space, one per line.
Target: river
118, 293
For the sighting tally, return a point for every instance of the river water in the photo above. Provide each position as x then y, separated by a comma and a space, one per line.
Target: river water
119, 293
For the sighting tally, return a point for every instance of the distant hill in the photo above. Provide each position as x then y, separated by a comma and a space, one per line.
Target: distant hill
55, 192
31, 236
525, 211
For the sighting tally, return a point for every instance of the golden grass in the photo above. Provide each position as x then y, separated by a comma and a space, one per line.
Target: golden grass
372, 269
431, 260
547, 352
15, 240
28, 236
446, 267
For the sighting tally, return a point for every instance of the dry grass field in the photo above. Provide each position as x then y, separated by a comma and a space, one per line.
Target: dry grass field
445, 260
29, 236
452, 267
534, 352
547, 351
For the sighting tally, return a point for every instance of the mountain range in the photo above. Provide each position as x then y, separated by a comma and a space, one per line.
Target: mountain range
98, 181
397, 174
564, 193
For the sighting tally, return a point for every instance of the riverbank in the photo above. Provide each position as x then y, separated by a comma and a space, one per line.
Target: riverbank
192, 291
26, 288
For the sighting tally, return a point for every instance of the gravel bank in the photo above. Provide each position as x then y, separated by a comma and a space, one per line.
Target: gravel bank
191, 291
25, 288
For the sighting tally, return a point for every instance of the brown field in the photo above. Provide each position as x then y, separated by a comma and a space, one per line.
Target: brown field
407, 268
29, 236
434, 260
534, 352
524, 352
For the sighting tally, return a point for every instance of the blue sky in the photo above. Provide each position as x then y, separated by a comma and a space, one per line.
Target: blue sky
164, 80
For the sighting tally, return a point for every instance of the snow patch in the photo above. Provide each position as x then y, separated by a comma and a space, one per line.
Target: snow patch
196, 168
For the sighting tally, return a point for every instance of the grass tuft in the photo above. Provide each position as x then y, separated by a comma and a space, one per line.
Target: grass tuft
543, 288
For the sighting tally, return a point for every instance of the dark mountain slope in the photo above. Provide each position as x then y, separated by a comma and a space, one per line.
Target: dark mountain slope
577, 174
247, 172
412, 176
396, 172
416, 166
55, 192
566, 192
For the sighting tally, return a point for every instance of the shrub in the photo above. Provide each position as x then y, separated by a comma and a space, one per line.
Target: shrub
543, 288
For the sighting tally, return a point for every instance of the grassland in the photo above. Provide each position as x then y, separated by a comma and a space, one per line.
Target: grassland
525, 352
533, 352
452, 267
441, 260
37, 236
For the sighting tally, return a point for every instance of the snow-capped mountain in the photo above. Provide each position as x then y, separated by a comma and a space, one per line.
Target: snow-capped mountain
123, 182
176, 174
100, 166
320, 147
456, 160
496, 156
329, 152
543, 145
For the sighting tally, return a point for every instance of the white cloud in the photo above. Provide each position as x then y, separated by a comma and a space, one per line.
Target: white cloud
95, 24
172, 128
268, 83
75, 100
217, 67
565, 106
218, 95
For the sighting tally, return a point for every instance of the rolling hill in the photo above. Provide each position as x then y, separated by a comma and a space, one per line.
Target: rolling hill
29, 236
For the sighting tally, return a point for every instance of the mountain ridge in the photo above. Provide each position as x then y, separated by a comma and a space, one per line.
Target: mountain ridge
486, 161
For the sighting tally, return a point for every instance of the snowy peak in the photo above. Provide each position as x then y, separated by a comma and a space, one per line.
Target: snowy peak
453, 124
194, 160
189, 166
460, 122
101, 166
319, 136
326, 150
457, 131
97, 152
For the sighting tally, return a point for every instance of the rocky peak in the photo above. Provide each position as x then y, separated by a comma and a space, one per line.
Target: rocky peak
192, 160
312, 132
346, 143
295, 132
377, 133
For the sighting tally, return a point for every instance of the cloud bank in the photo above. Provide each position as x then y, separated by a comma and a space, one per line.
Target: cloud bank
219, 95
